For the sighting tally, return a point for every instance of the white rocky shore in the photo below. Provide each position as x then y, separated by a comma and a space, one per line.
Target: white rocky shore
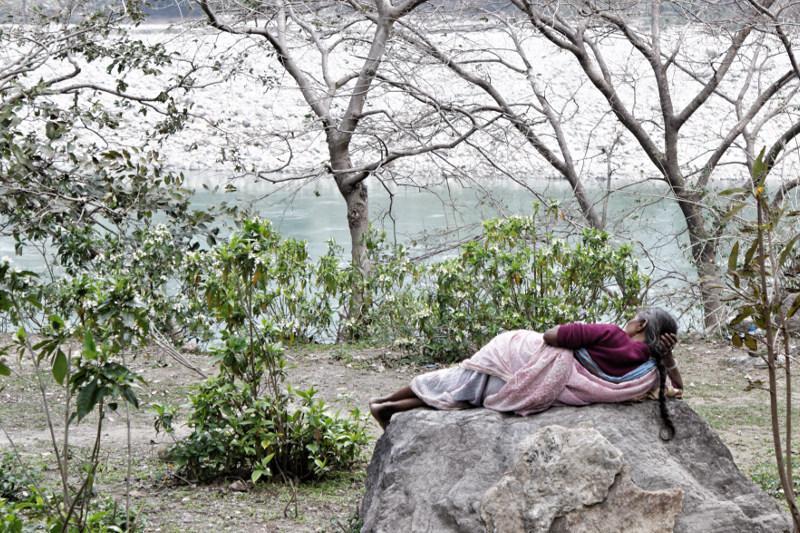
247, 107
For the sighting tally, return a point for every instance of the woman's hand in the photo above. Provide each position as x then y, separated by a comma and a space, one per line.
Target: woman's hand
668, 341
551, 336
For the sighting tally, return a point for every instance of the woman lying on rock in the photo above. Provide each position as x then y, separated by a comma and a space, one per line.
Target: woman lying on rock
572, 364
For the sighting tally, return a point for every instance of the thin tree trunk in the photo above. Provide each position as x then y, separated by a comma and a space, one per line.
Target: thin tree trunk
355, 197
710, 282
783, 470
704, 256
358, 223
357, 202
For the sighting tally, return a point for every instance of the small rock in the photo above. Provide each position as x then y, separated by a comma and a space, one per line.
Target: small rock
741, 360
761, 363
192, 346
162, 451
239, 486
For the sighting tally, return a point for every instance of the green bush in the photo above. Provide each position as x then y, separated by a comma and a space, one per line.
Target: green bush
34, 514
244, 421
292, 435
283, 276
10, 519
512, 277
515, 278
376, 306
16, 480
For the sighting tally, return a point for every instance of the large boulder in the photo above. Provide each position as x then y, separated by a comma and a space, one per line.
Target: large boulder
589, 469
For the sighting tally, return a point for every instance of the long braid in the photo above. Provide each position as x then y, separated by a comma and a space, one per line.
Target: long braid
658, 322
668, 431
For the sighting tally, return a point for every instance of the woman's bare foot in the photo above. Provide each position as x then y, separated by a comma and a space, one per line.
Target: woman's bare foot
378, 412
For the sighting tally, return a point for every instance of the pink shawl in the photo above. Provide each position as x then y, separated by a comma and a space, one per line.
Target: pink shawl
538, 375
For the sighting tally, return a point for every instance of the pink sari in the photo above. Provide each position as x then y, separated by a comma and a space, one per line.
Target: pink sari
538, 375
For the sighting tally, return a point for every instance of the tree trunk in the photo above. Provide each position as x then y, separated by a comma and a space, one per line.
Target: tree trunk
358, 223
704, 257
357, 201
710, 292
355, 197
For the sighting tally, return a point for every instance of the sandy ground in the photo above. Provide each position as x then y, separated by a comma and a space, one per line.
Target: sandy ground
346, 377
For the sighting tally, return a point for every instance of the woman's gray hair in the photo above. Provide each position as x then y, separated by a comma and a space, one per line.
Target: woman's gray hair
659, 322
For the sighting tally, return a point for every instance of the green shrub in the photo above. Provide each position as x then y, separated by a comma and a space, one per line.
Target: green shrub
293, 435
283, 277
108, 516
512, 277
16, 479
34, 512
10, 519
515, 278
244, 422
377, 305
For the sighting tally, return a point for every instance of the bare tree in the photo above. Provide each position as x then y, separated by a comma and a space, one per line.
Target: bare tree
313, 42
730, 79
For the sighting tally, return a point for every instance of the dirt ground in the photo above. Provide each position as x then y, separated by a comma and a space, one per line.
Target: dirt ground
722, 384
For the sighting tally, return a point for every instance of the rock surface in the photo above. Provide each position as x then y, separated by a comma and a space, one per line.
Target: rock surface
572, 473
589, 469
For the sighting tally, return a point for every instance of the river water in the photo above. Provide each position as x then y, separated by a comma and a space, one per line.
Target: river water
410, 215
316, 212
637, 214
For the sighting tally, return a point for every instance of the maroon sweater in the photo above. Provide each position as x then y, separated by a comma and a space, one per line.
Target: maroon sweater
610, 347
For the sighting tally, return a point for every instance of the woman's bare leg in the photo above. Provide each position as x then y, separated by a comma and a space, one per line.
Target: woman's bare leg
383, 411
403, 394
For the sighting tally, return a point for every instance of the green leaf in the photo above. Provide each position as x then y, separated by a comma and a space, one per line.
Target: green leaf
87, 399
129, 396
795, 306
744, 312
736, 340
56, 323
53, 130
732, 212
21, 335
760, 169
748, 256
60, 367
733, 259
751, 342
732, 191
89, 347
787, 250
4, 370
